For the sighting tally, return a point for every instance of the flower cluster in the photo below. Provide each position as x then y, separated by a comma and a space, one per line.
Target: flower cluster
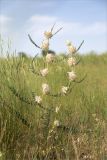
71, 48
71, 61
45, 43
49, 58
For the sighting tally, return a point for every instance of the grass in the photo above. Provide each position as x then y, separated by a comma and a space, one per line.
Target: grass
27, 131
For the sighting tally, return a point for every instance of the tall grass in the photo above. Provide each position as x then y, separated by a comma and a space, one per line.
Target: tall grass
26, 130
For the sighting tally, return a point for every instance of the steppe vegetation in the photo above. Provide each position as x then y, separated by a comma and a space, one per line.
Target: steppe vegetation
53, 107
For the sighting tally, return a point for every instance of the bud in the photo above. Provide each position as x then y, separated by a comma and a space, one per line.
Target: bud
71, 61
45, 88
44, 72
72, 76
48, 34
49, 57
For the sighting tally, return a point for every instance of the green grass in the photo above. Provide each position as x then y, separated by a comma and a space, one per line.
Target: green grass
25, 128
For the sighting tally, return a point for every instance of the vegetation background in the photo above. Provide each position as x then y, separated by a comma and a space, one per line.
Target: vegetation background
26, 128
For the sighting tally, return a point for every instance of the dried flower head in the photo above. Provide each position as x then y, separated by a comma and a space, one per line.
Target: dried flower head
72, 76
38, 99
71, 61
64, 89
50, 57
48, 34
45, 45
71, 49
45, 88
44, 72
57, 109
56, 123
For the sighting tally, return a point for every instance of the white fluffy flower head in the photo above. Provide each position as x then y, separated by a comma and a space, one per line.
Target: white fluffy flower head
44, 72
48, 34
38, 99
71, 61
45, 45
45, 88
64, 89
49, 57
71, 48
72, 76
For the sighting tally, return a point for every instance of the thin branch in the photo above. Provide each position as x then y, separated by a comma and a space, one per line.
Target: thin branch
17, 114
57, 31
32, 67
22, 119
71, 129
80, 45
53, 27
34, 57
81, 79
24, 99
33, 42
55, 95
78, 61
70, 90
35, 72
21, 98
